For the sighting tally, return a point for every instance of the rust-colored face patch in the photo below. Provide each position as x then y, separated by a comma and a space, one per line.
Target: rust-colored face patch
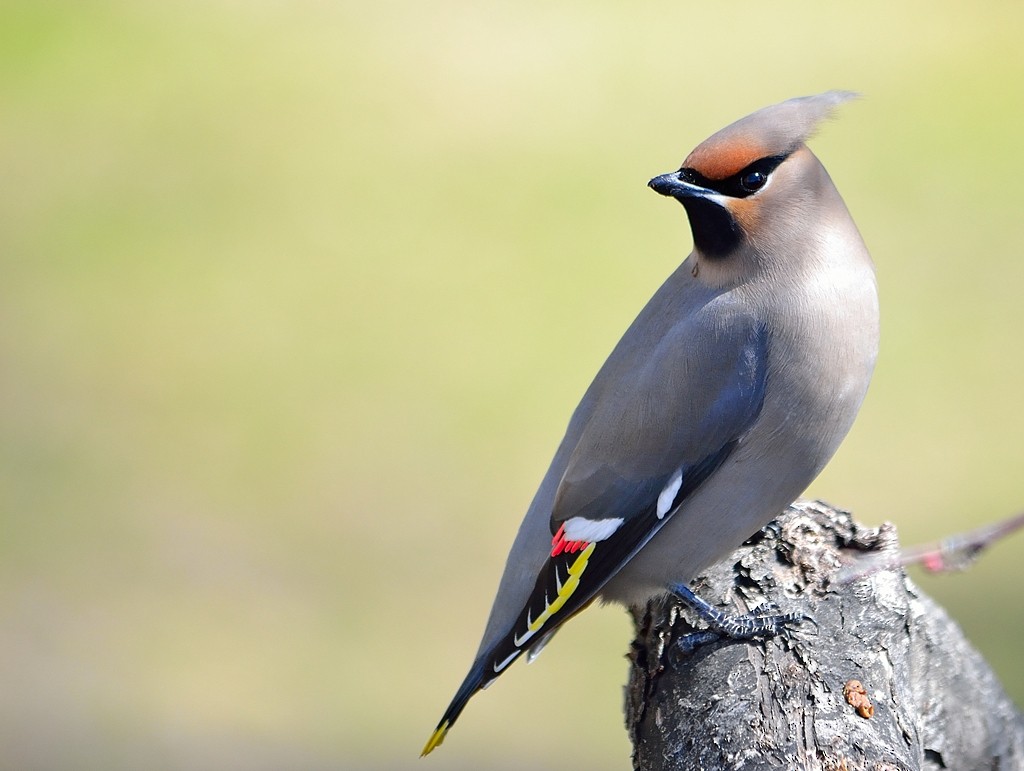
747, 214
720, 160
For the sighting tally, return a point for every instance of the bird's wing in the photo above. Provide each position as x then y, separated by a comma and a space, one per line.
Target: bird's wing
660, 430
647, 447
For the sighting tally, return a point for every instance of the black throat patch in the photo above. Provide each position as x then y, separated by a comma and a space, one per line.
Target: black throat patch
715, 232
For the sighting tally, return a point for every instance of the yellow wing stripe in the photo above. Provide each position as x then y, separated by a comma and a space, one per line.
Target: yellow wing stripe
435, 739
565, 591
575, 571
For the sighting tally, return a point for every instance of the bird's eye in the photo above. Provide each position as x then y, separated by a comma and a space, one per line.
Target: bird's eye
753, 181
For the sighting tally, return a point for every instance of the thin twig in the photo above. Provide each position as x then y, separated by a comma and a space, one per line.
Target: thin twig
958, 552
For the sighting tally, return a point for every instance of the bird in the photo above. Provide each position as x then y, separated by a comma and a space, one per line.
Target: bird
724, 399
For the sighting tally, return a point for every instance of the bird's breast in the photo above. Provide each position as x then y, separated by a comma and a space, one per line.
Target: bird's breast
824, 341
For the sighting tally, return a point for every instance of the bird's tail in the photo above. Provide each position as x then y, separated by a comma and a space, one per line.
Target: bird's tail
474, 682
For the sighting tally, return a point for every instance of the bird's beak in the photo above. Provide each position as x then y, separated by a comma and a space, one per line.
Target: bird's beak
671, 185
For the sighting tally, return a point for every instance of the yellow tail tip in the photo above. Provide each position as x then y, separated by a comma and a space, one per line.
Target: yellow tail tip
435, 739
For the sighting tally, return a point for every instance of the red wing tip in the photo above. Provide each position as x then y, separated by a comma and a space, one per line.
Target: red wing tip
559, 544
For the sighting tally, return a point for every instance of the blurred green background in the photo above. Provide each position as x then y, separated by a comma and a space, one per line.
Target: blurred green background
296, 299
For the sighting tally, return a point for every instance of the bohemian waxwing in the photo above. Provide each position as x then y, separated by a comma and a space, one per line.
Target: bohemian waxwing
724, 399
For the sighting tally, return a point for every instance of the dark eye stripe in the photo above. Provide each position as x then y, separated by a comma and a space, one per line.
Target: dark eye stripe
737, 185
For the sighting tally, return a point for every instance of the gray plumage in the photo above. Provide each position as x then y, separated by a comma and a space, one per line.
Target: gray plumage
724, 399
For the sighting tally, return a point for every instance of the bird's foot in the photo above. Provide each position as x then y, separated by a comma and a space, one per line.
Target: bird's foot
762, 622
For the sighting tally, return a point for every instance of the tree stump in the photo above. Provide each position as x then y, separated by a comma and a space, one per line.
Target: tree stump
881, 679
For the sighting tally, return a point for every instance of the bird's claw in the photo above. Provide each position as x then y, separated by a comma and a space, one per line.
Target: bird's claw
762, 622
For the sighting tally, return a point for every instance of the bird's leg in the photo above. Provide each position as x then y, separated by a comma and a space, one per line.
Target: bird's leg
763, 622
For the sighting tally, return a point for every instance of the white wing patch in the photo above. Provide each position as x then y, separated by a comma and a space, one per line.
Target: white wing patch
668, 495
590, 530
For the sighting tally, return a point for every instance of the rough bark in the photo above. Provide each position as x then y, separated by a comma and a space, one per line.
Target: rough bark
780, 704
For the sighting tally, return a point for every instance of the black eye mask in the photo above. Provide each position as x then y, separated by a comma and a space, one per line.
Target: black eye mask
745, 182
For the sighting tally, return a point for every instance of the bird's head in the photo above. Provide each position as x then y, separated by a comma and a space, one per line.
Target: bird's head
754, 189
